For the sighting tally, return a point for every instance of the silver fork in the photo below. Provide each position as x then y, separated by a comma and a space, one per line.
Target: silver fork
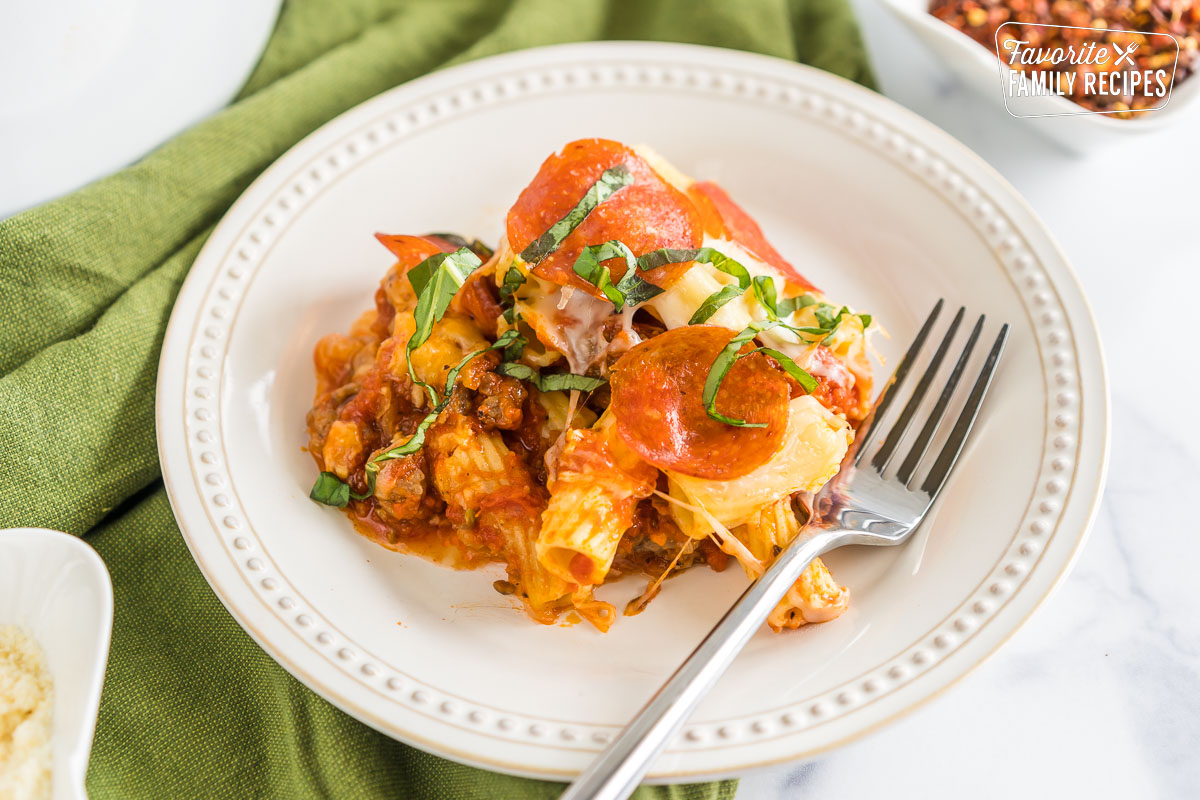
864, 504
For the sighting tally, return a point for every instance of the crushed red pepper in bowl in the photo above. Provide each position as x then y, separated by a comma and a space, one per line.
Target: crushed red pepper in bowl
1134, 19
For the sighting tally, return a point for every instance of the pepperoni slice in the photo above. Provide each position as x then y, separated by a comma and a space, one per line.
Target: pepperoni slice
646, 215
412, 250
724, 218
657, 390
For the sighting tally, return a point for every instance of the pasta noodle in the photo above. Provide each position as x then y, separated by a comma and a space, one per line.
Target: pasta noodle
815, 596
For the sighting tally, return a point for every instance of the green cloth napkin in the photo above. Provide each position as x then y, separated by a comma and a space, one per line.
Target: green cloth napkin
191, 706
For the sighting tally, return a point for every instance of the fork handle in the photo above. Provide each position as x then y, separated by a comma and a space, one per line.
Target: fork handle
619, 769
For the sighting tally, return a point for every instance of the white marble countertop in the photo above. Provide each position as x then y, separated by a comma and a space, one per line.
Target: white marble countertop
1098, 695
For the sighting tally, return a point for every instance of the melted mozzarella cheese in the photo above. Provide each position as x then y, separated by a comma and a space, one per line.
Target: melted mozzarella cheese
570, 321
813, 446
679, 302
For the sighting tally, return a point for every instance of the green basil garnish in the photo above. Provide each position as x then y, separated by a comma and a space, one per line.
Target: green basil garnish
435, 280
764, 290
768, 298
611, 180
553, 382
790, 367
786, 308
513, 279
516, 342
637, 289
716, 375
722, 262
330, 490
670, 255
827, 317
729, 356
712, 304
588, 266
631, 290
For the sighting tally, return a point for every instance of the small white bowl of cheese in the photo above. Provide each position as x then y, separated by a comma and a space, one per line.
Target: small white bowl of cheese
56, 610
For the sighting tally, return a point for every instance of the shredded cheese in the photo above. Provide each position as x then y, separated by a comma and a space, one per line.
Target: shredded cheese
724, 538
26, 706
638, 604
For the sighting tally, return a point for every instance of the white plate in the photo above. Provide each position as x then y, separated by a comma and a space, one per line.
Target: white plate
874, 204
57, 588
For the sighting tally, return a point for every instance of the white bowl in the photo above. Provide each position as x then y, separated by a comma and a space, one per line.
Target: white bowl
91, 87
57, 588
977, 66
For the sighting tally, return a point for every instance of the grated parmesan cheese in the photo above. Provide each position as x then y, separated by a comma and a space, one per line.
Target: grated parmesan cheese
26, 705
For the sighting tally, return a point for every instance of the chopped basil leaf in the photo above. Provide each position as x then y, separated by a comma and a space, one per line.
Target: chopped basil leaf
722, 262
513, 279
716, 375
785, 308
829, 316
435, 280
631, 290
566, 381
637, 289
613, 179
712, 304
668, 255
330, 490
514, 344
791, 368
588, 266
764, 290
444, 271
553, 382
828, 320
729, 355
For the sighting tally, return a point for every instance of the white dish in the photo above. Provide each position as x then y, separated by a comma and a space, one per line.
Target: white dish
978, 68
57, 588
873, 203
90, 87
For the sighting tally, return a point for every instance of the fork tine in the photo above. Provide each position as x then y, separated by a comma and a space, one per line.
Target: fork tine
892, 440
936, 478
894, 383
935, 416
